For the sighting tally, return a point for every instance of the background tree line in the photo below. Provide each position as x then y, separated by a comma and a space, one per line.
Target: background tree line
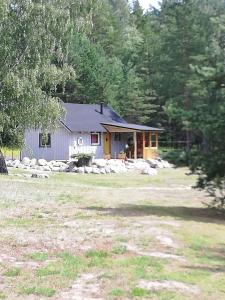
162, 67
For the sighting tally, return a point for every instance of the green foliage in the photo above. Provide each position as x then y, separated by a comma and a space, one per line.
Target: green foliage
40, 291
12, 272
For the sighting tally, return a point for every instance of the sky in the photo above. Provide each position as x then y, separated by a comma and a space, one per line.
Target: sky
145, 3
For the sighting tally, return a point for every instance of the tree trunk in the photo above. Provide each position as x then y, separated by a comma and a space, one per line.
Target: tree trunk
3, 167
188, 131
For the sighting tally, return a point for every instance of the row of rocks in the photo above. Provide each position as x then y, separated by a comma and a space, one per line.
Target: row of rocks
98, 166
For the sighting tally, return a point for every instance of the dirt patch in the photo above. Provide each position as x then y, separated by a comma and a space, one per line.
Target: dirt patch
169, 285
86, 287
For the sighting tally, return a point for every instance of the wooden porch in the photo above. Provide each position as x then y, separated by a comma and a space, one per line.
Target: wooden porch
145, 139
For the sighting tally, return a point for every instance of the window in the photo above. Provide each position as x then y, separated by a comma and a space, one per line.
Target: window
95, 139
44, 140
117, 136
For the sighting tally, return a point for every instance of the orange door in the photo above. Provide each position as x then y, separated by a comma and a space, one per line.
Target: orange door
107, 143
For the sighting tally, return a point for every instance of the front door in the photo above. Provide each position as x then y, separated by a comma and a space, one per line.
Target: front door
107, 143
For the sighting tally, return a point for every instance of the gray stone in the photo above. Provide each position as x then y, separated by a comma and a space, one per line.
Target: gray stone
42, 162
114, 169
15, 163
26, 161
74, 169
107, 169
102, 171
39, 175
46, 168
95, 171
87, 169
33, 162
100, 163
80, 170
149, 171
55, 169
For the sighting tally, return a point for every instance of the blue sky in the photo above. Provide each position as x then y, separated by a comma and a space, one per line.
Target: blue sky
145, 3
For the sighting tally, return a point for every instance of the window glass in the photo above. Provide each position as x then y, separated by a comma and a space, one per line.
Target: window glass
44, 140
95, 138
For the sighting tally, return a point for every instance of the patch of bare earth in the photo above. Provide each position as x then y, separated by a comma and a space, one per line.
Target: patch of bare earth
170, 285
86, 287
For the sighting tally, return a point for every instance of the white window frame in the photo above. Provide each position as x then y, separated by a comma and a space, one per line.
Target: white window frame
99, 139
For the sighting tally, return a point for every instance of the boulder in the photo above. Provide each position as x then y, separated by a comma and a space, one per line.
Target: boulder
107, 169
80, 170
149, 171
9, 163
16, 163
100, 163
26, 161
39, 175
33, 162
141, 165
160, 165
74, 169
55, 169
152, 163
42, 162
95, 171
102, 171
114, 169
87, 169
46, 168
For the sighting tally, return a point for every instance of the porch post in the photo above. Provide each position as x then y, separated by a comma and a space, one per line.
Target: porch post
143, 140
135, 144
150, 139
156, 139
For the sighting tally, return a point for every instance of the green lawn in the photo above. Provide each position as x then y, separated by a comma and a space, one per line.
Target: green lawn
107, 234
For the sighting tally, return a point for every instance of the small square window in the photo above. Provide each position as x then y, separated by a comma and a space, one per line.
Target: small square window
95, 139
44, 140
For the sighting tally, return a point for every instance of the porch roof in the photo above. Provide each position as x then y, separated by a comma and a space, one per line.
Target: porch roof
127, 127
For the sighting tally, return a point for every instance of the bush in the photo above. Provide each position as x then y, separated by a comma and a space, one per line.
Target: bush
83, 159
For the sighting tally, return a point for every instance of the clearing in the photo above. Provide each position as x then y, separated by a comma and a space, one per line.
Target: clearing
116, 236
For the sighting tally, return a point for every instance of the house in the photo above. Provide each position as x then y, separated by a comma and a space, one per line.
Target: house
92, 128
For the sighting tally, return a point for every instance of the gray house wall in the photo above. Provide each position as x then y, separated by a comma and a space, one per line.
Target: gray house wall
59, 149
74, 148
65, 143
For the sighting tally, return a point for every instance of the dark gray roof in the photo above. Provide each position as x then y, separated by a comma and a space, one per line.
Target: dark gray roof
131, 126
87, 117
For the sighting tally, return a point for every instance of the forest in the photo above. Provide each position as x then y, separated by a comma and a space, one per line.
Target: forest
162, 67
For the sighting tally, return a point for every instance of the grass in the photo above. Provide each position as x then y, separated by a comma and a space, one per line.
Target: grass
39, 256
74, 225
12, 272
39, 291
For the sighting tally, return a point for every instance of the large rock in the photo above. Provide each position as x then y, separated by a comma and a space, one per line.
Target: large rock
152, 163
100, 163
80, 170
114, 169
16, 163
149, 171
55, 169
74, 169
42, 162
39, 175
102, 171
95, 170
46, 168
9, 163
87, 169
141, 165
107, 169
26, 161
33, 162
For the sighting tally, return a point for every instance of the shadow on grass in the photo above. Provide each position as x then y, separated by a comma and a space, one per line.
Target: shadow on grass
198, 214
